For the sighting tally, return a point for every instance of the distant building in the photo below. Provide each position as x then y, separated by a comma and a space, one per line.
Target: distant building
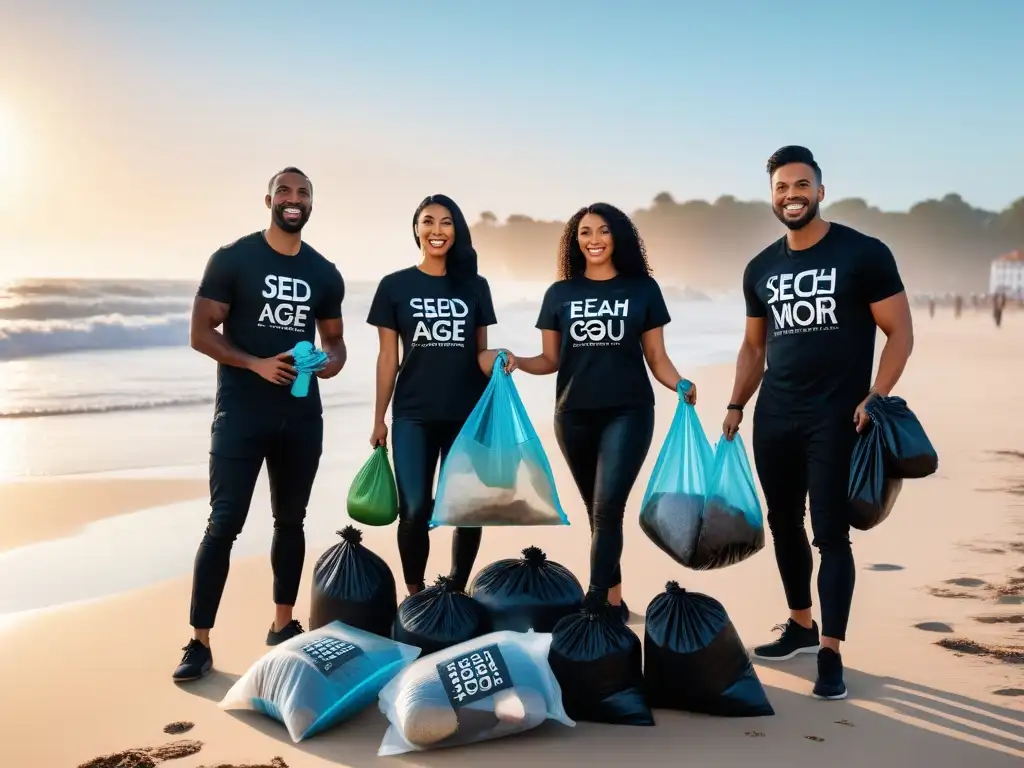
1007, 274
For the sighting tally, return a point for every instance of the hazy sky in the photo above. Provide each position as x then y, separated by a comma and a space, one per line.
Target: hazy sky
137, 136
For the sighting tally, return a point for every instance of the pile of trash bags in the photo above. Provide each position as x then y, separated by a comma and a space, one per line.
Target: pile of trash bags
353, 585
893, 448
444, 676
701, 506
497, 472
531, 592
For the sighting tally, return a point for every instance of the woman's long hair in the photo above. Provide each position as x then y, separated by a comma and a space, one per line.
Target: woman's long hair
461, 260
629, 256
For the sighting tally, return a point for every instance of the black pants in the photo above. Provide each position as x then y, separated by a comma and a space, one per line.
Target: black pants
794, 458
241, 442
416, 447
605, 450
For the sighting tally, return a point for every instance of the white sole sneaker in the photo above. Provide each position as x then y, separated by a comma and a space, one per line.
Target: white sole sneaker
837, 697
787, 657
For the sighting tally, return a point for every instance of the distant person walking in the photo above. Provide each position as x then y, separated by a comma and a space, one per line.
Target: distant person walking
269, 290
814, 299
998, 305
931, 307
958, 305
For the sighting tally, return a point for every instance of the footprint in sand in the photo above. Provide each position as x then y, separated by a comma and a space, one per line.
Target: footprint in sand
966, 581
145, 757
179, 727
275, 762
1009, 692
933, 626
1009, 618
885, 567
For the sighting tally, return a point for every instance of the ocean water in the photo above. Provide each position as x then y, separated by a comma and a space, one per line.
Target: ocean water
97, 380
98, 375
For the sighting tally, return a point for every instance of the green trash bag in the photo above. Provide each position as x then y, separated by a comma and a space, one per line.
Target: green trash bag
373, 496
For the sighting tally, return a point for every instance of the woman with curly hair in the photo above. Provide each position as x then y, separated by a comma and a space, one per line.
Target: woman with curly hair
599, 323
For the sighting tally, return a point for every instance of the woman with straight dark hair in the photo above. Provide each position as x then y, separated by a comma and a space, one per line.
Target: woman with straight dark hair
599, 323
440, 309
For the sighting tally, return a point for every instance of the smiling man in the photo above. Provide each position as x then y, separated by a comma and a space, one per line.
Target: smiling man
269, 290
815, 299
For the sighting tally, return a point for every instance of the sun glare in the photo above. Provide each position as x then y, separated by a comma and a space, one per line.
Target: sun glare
7, 145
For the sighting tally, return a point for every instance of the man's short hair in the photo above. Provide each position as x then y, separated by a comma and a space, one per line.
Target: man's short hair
289, 169
793, 153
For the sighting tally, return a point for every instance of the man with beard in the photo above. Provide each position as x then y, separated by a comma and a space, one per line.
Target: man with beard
269, 290
814, 299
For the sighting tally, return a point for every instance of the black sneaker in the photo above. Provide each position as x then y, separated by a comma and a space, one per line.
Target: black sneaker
793, 640
195, 663
288, 631
829, 684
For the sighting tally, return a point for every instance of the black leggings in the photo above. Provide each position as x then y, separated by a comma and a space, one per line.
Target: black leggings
416, 447
241, 442
795, 457
605, 450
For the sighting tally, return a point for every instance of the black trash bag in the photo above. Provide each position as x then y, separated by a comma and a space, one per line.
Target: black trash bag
598, 662
353, 585
529, 593
439, 617
872, 492
909, 454
695, 661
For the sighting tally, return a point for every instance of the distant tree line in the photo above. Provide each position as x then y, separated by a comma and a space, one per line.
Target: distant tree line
940, 245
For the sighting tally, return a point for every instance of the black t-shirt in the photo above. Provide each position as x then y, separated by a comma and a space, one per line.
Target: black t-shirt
275, 301
601, 321
820, 330
436, 317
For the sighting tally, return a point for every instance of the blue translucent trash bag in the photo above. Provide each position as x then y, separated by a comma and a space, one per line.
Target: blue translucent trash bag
497, 472
493, 686
319, 678
732, 528
673, 505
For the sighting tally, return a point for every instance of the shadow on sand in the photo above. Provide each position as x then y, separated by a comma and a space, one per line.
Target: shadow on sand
885, 722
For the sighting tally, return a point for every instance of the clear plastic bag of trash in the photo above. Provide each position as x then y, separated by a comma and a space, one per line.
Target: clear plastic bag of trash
487, 688
497, 472
320, 678
672, 509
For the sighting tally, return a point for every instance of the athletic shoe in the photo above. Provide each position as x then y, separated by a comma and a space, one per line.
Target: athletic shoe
625, 611
793, 640
195, 663
288, 631
829, 684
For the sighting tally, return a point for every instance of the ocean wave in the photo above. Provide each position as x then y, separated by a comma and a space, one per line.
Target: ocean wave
32, 338
79, 410
85, 308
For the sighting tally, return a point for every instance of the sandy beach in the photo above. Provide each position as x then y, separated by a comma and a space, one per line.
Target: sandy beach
948, 566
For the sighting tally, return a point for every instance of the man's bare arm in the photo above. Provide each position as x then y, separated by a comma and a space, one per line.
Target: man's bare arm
750, 361
893, 316
207, 317
332, 341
